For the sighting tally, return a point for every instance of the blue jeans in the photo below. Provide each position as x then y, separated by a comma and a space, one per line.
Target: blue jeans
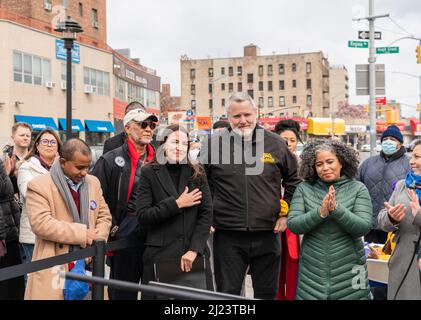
26, 251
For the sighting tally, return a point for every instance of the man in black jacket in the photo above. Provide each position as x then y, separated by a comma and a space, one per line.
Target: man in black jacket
119, 172
12, 289
246, 167
119, 139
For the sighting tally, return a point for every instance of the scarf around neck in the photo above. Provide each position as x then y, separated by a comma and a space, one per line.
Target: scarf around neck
413, 181
59, 180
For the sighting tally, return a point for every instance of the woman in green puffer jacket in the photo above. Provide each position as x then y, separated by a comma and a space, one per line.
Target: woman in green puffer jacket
333, 212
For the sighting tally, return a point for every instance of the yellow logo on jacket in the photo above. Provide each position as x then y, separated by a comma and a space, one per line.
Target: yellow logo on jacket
267, 158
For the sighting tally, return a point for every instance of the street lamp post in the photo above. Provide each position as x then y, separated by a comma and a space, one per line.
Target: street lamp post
69, 28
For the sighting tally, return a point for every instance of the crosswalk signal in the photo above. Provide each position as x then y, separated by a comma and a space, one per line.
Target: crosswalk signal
418, 50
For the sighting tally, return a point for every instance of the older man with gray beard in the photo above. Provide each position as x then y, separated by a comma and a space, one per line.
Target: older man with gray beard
246, 168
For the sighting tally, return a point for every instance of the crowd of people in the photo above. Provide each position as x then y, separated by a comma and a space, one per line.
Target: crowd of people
205, 213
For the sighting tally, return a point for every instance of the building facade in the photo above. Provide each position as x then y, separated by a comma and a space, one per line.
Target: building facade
287, 85
133, 82
339, 87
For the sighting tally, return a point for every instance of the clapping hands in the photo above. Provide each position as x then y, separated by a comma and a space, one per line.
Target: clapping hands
329, 203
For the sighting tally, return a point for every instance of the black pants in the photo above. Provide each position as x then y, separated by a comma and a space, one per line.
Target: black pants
126, 265
12, 289
234, 251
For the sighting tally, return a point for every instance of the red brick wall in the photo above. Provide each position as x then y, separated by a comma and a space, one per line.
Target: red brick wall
35, 9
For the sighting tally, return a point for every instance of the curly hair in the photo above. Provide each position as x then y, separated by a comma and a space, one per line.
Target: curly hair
346, 155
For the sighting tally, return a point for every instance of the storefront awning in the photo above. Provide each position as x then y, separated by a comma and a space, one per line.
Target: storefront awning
99, 126
77, 125
326, 126
38, 123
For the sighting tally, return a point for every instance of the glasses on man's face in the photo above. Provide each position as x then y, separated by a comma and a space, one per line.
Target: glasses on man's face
46, 142
145, 124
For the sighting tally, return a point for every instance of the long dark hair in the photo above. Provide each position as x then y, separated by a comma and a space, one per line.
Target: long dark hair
198, 171
34, 150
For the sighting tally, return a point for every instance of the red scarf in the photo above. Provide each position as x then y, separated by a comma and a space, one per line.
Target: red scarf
134, 159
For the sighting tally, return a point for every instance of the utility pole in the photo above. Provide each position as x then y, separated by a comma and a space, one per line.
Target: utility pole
372, 74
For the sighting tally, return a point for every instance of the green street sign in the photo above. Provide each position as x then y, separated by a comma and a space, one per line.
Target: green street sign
384, 50
357, 44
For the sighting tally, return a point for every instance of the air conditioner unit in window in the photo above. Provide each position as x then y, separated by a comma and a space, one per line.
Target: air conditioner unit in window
48, 6
63, 85
49, 84
89, 89
95, 24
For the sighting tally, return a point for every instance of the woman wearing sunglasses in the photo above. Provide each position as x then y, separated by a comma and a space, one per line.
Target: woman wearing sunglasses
37, 162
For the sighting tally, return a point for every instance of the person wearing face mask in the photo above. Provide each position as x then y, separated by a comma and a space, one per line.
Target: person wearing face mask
380, 173
402, 215
333, 211
174, 203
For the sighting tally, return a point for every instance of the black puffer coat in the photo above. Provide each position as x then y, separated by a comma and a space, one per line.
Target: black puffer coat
9, 209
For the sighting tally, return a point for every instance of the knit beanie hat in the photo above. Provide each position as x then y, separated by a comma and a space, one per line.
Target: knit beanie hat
393, 131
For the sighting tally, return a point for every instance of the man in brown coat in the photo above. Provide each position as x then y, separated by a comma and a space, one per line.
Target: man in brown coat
67, 212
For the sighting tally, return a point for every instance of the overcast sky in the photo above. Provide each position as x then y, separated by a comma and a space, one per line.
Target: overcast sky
159, 32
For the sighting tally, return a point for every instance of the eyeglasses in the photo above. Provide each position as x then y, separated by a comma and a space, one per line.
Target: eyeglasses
144, 124
46, 142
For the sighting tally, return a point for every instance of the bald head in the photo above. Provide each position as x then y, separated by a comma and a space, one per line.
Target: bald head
72, 146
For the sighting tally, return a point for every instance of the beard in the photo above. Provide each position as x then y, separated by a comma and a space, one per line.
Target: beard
246, 133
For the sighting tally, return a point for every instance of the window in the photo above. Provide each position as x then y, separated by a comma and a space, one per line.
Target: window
120, 89
270, 70
192, 73
48, 5
250, 93
222, 71
81, 9
240, 71
100, 81
308, 83
282, 101
31, 69
210, 88
281, 85
239, 86
222, 86
270, 102
308, 67
210, 72
64, 74
249, 78
260, 85
294, 99
294, 83
282, 69
136, 93
294, 67
230, 87
309, 100
95, 18
260, 71
261, 103
270, 86
193, 104
210, 104
193, 89
223, 103
230, 71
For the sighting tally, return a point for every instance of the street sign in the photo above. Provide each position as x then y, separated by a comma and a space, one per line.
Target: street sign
362, 80
357, 44
381, 101
189, 112
365, 35
61, 52
383, 50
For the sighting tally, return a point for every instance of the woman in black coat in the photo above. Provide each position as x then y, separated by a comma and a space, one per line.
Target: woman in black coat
12, 289
175, 205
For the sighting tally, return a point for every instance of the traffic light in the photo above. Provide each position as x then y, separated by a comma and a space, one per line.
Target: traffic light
418, 51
